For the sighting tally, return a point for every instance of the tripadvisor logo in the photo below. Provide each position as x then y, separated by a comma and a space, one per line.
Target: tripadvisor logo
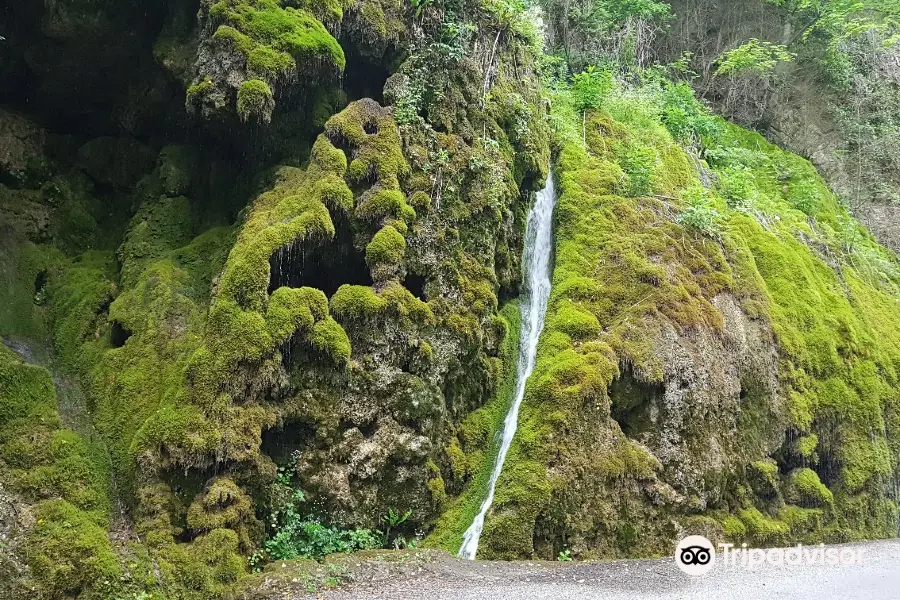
696, 555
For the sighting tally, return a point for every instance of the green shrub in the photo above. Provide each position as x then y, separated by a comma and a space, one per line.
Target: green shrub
686, 118
299, 534
753, 57
590, 88
738, 188
702, 218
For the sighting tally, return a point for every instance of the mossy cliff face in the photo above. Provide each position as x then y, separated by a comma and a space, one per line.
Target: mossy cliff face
306, 271
343, 324
247, 53
736, 380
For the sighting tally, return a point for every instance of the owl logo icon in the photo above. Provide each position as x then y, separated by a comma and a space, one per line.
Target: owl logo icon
695, 555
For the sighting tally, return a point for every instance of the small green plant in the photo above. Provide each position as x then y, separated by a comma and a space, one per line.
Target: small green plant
297, 533
392, 520
591, 87
686, 118
737, 186
639, 163
564, 555
702, 218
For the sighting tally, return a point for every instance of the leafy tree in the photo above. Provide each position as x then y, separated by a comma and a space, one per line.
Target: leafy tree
595, 31
750, 78
754, 58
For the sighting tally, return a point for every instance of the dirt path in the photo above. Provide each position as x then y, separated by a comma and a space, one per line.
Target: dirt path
446, 578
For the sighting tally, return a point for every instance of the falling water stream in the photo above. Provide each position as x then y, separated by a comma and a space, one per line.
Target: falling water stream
536, 284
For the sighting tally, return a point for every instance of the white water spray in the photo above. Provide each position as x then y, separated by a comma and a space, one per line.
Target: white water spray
538, 248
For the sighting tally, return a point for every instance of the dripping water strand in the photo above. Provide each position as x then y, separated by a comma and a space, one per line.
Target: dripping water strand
536, 292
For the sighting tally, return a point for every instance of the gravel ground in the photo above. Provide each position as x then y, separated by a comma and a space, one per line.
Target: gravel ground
443, 577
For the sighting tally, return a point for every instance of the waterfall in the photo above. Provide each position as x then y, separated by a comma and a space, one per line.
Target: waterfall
535, 293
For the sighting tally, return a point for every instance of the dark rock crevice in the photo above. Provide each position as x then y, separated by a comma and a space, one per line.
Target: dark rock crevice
632, 401
325, 267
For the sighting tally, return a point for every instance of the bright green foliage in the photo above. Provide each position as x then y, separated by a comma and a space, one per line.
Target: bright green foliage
689, 121
838, 20
639, 163
590, 87
700, 215
298, 534
756, 57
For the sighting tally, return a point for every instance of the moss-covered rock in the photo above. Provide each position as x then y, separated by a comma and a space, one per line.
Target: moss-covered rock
252, 51
695, 354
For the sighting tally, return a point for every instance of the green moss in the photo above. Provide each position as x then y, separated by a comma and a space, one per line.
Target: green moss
69, 553
26, 393
224, 505
255, 101
804, 523
228, 34
805, 488
21, 305
268, 64
734, 528
197, 91
763, 530
386, 248
806, 445
627, 275
382, 203
43, 459
357, 302
273, 40
575, 322
208, 568
763, 478
331, 340
379, 154
157, 228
